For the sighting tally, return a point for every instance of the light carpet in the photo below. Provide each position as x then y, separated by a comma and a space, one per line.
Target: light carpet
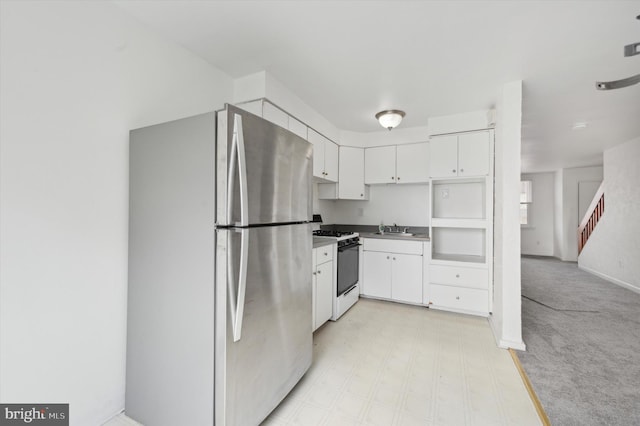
583, 344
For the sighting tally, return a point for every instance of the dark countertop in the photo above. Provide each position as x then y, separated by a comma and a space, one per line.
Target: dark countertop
369, 231
321, 242
396, 236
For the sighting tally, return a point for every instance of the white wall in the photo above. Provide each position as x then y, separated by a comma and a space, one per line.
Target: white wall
74, 78
263, 85
537, 236
613, 249
558, 226
473, 120
383, 137
406, 205
506, 318
568, 231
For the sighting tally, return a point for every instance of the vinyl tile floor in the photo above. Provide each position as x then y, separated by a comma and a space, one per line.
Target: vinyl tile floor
390, 364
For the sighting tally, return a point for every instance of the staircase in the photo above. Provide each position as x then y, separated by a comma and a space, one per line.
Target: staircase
591, 218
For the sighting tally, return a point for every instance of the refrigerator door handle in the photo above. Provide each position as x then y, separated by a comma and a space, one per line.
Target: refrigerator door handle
238, 154
242, 285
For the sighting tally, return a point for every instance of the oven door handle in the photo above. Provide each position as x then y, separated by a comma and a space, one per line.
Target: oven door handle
350, 246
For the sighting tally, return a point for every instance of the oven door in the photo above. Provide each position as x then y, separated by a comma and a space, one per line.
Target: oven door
348, 267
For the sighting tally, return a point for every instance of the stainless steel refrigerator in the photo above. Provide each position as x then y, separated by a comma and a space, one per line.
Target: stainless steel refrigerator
219, 303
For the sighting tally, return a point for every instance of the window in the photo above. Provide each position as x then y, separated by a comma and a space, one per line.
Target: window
526, 199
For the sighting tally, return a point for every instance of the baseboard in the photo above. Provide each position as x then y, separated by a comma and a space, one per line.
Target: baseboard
503, 343
610, 279
510, 344
532, 393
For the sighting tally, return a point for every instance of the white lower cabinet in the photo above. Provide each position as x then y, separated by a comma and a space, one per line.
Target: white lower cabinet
322, 285
377, 274
406, 278
393, 270
459, 288
460, 299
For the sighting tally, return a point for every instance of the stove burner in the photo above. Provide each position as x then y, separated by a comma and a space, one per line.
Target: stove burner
325, 233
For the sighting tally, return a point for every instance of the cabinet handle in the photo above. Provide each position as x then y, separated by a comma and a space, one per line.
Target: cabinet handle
457, 297
457, 275
392, 178
454, 170
362, 195
318, 272
398, 178
394, 258
314, 273
461, 170
326, 254
387, 257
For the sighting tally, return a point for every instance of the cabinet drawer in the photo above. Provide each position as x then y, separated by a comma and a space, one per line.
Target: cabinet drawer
324, 254
459, 276
393, 246
459, 298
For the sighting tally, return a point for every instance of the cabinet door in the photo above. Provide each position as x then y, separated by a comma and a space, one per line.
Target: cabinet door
351, 186
443, 156
330, 161
318, 152
380, 165
473, 154
275, 115
314, 255
406, 278
412, 163
298, 127
324, 287
377, 274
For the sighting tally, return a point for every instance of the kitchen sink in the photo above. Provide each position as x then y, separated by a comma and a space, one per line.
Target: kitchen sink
396, 234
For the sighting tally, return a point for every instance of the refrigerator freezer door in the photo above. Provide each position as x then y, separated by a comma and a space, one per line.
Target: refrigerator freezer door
263, 172
274, 349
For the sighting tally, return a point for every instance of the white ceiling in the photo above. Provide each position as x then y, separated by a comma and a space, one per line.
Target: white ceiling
351, 59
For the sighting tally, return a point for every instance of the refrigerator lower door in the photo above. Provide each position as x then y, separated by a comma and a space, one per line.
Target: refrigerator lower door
263, 333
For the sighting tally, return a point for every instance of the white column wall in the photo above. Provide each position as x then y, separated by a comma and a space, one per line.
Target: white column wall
506, 318
74, 78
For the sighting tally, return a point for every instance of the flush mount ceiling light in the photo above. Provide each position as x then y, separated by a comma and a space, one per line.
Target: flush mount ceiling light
579, 125
390, 118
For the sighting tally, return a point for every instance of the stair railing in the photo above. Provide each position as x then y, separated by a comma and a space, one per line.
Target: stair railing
591, 218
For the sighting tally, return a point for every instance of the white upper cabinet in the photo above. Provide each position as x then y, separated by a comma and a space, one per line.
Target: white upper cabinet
466, 154
351, 186
473, 154
380, 165
318, 142
331, 161
297, 127
254, 107
397, 164
412, 163
275, 115
325, 157
444, 156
